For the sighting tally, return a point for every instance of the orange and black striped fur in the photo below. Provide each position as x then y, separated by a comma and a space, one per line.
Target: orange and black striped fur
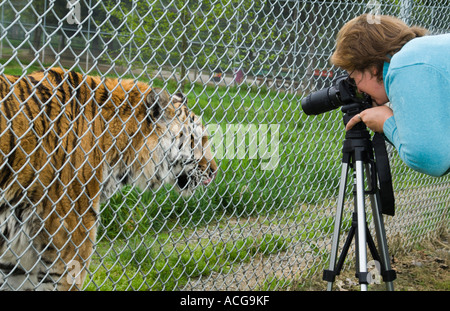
68, 140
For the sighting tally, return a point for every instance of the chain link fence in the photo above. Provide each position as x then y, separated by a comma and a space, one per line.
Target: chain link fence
243, 67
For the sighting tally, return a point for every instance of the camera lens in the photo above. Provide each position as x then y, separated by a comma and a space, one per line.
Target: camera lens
342, 92
321, 101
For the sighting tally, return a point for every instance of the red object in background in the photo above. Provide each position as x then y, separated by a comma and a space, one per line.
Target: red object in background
239, 75
323, 73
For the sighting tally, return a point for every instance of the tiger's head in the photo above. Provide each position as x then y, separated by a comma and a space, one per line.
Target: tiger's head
177, 149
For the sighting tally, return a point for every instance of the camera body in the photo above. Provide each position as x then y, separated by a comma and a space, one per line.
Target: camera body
342, 93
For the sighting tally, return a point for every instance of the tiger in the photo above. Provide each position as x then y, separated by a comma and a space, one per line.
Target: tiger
67, 142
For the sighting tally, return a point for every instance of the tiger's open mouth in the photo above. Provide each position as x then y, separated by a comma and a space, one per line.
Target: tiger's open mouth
208, 179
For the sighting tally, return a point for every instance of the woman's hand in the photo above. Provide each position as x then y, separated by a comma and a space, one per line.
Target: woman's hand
374, 118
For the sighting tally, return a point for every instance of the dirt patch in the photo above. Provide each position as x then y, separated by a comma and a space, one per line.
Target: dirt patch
424, 268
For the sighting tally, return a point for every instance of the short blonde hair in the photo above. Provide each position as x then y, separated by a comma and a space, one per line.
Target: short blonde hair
363, 43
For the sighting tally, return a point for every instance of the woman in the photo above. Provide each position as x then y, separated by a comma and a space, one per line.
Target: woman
395, 63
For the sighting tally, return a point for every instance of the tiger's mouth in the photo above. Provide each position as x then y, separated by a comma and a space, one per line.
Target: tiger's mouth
190, 180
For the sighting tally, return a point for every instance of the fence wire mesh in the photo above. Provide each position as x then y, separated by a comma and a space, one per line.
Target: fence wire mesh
261, 213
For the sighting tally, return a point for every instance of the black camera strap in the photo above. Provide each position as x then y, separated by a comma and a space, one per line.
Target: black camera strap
384, 175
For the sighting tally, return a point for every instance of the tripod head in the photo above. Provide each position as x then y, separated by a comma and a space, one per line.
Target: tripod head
359, 137
352, 109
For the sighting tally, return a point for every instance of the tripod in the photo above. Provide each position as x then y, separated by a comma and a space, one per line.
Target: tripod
358, 154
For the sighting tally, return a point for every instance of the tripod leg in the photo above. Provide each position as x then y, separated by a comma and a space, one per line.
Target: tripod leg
361, 232
381, 235
337, 227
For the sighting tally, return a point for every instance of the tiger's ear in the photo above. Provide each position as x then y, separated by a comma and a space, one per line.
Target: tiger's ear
157, 100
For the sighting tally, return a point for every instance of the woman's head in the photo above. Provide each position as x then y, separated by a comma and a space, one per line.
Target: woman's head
363, 45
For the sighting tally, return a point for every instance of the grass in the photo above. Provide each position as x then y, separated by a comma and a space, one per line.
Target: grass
157, 264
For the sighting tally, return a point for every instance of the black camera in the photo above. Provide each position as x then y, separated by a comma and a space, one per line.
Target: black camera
342, 92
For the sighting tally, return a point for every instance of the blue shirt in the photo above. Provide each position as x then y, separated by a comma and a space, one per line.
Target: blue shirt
417, 82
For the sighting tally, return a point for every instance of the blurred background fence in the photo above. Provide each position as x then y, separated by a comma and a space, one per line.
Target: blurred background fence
240, 63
